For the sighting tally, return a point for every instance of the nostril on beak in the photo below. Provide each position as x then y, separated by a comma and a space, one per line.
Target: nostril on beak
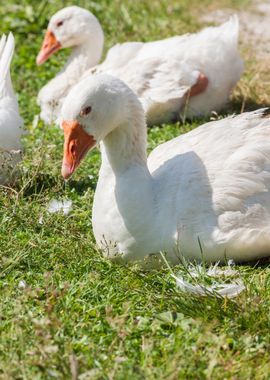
72, 149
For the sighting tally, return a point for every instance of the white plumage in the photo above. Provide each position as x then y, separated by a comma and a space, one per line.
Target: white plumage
10, 121
161, 73
208, 188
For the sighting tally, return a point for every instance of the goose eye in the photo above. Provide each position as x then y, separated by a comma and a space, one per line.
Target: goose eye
85, 111
59, 23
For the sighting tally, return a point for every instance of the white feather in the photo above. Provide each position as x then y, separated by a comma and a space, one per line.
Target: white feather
56, 206
213, 273
223, 290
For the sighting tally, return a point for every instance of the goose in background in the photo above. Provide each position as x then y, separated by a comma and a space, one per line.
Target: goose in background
210, 185
11, 124
182, 76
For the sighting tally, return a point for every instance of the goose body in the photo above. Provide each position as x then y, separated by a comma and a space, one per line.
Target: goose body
10, 121
174, 78
203, 195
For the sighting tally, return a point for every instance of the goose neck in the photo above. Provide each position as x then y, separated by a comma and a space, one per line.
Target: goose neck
86, 55
125, 146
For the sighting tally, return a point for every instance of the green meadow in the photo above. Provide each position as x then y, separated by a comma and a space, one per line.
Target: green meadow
66, 312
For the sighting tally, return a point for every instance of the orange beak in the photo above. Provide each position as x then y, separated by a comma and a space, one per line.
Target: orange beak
77, 143
49, 46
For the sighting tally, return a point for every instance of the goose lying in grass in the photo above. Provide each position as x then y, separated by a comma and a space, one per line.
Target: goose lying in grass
10, 121
207, 190
189, 75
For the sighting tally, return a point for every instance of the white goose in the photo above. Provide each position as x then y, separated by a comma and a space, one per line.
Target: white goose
189, 75
210, 185
10, 121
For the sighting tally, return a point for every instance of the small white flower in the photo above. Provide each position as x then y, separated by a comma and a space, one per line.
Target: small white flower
22, 284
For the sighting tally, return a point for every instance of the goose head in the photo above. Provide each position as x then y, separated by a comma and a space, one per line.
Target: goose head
70, 27
94, 108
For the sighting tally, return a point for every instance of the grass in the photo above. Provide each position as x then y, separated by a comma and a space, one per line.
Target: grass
67, 312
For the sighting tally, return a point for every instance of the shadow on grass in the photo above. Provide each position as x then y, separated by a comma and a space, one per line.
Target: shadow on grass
42, 182
262, 263
82, 185
39, 184
238, 106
